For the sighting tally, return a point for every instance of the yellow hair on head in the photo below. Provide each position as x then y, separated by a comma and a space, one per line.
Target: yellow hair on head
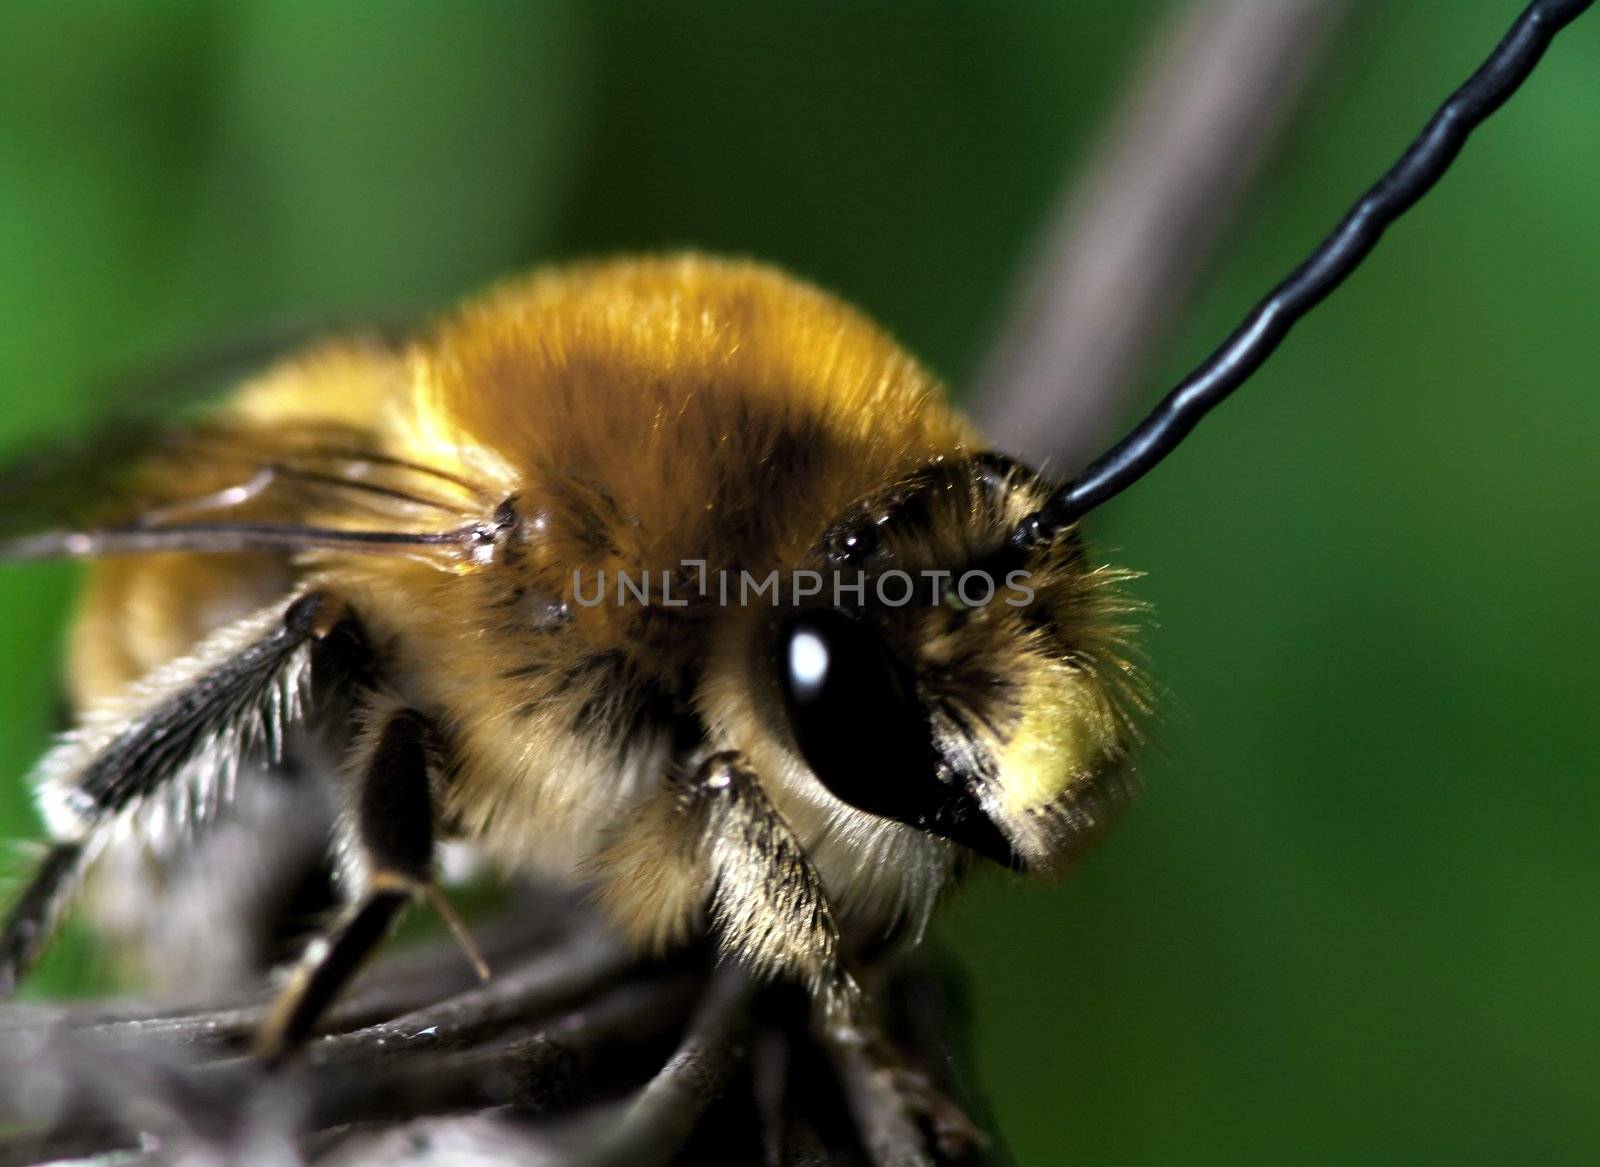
1068, 725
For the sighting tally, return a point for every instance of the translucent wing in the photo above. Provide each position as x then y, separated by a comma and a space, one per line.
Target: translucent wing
78, 480
215, 485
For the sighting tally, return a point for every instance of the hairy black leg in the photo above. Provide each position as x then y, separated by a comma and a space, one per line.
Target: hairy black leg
391, 832
165, 755
768, 905
244, 696
34, 916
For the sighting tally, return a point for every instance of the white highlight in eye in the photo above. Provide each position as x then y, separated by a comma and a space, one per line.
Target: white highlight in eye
808, 663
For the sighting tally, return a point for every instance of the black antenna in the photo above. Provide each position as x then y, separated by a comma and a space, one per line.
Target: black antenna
1254, 340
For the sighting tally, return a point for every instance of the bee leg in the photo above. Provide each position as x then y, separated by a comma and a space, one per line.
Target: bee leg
894, 1103
170, 745
33, 919
768, 905
893, 1100
391, 829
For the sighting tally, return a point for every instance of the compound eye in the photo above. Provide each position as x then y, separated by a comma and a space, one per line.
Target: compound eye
855, 715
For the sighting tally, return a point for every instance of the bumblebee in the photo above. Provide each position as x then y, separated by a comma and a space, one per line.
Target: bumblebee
377, 554
673, 577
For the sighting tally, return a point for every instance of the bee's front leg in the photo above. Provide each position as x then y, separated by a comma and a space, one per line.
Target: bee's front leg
894, 1102
710, 842
768, 905
390, 838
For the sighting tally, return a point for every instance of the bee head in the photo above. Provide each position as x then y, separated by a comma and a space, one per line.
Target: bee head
954, 681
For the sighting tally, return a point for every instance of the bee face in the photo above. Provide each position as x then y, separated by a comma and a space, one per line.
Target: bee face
971, 691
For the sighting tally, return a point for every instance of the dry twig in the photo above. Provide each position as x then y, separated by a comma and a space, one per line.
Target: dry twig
572, 1031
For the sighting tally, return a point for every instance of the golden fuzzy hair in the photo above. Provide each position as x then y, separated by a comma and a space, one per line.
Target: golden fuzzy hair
622, 418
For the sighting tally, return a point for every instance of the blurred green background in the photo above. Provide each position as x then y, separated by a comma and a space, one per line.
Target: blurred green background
1356, 916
